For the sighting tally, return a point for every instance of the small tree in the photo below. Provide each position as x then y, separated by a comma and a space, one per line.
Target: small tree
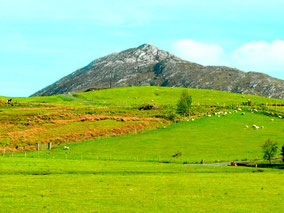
184, 104
269, 150
282, 153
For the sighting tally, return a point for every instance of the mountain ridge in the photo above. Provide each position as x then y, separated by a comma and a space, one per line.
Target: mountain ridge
147, 65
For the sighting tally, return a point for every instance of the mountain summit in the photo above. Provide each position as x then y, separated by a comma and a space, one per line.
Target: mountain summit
147, 65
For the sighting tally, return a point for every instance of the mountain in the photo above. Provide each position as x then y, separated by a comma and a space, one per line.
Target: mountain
147, 65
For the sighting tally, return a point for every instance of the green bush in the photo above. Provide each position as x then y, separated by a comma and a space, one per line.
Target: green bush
5, 142
269, 150
184, 104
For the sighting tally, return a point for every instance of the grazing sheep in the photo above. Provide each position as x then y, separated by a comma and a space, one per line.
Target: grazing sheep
239, 109
247, 126
243, 113
225, 113
272, 120
216, 113
208, 116
262, 127
280, 117
255, 127
192, 119
66, 147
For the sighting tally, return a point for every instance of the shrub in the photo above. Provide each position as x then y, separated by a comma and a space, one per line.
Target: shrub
184, 104
269, 150
149, 107
5, 142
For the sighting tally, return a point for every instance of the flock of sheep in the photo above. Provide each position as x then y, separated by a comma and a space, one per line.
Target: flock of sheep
243, 113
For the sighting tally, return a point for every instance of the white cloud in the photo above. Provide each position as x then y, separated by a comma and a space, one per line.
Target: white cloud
257, 56
198, 52
260, 56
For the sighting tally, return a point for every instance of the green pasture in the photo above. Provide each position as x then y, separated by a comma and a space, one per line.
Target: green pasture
47, 185
129, 96
215, 139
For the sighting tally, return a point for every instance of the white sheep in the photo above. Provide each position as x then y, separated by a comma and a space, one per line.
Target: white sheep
209, 116
280, 117
255, 127
247, 126
66, 147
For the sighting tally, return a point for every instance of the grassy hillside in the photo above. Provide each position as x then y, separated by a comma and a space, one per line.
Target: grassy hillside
214, 139
128, 96
136, 172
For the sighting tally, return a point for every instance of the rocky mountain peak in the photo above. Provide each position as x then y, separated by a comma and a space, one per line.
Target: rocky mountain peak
148, 65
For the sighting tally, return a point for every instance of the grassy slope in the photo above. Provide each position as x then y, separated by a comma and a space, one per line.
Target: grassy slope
50, 185
34, 185
129, 96
211, 139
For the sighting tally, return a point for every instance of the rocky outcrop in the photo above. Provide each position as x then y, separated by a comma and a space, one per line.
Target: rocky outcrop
147, 65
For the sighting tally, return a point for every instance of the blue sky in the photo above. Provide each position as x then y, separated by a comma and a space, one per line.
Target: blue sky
42, 41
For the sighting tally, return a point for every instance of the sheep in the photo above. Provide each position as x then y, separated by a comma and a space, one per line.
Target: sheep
247, 126
255, 127
192, 119
208, 116
272, 120
243, 113
262, 127
280, 117
66, 147
255, 110
239, 109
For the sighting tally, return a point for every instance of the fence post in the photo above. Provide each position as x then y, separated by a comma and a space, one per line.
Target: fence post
49, 146
37, 146
25, 155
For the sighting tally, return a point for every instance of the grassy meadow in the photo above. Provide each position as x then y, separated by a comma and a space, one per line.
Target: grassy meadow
47, 185
120, 158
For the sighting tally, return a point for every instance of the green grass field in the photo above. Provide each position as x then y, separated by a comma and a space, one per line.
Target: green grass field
214, 139
41, 185
136, 172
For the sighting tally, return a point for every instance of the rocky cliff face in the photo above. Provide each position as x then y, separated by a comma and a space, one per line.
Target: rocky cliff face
147, 65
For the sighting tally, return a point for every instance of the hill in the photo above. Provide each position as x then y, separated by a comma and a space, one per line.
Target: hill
147, 65
117, 174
